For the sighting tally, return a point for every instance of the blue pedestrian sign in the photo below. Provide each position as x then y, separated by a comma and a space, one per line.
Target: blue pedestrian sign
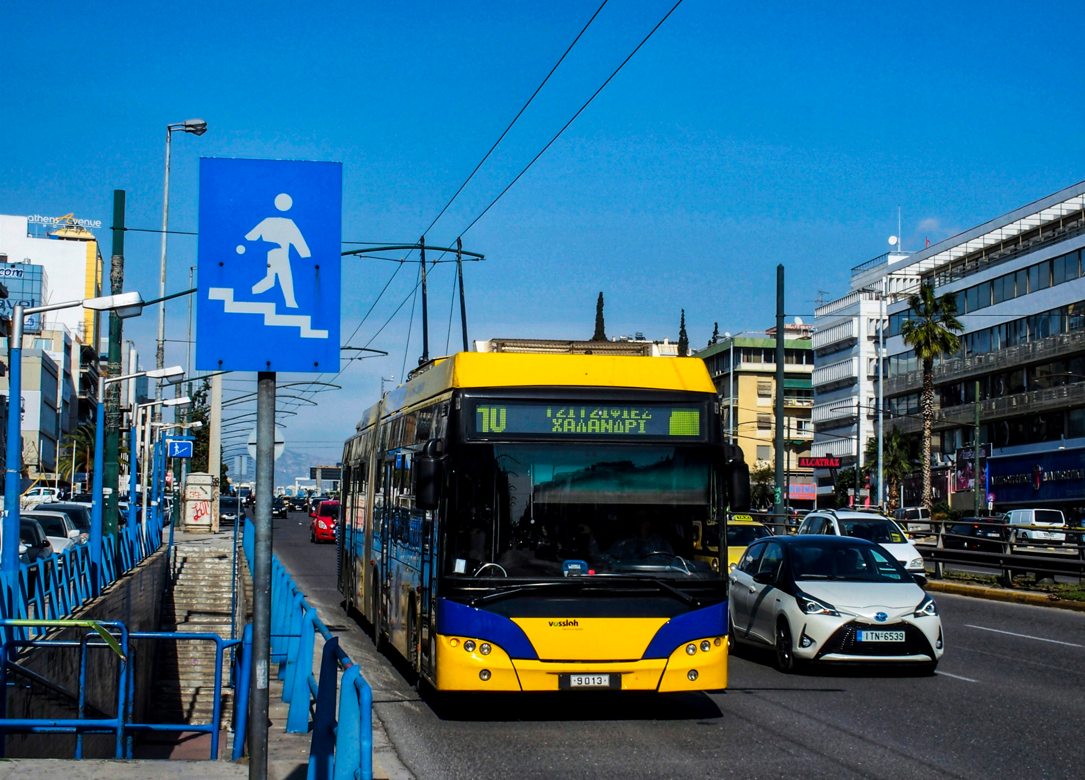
179, 448
269, 260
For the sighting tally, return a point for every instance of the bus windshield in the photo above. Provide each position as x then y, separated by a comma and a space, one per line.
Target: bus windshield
542, 511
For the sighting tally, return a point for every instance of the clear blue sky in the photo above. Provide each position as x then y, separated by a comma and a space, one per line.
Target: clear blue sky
739, 137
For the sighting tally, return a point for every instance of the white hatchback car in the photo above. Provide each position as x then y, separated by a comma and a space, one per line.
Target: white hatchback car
865, 525
825, 598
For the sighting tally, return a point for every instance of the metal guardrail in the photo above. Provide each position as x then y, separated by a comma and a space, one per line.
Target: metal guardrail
340, 748
1016, 551
57, 586
121, 724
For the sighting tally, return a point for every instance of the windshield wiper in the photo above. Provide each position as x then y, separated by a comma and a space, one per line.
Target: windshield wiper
679, 594
517, 590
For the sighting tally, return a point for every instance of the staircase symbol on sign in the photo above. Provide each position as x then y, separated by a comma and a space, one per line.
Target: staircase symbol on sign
302, 323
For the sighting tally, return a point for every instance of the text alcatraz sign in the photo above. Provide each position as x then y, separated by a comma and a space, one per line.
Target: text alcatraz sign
819, 463
490, 420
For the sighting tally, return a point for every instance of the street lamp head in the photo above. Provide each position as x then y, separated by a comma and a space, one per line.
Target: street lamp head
194, 425
173, 373
195, 126
129, 304
182, 401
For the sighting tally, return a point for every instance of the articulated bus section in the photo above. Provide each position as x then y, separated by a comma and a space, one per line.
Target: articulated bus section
516, 522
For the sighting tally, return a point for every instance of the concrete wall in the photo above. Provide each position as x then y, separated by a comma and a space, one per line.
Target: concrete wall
136, 601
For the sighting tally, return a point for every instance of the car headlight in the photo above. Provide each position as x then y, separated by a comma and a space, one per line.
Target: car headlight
927, 608
322, 524
915, 563
812, 606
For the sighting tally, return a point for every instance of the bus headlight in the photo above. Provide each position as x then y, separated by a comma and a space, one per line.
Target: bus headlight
692, 675
469, 645
705, 646
484, 675
484, 648
691, 648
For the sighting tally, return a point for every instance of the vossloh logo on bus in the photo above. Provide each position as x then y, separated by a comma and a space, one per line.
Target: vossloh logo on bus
567, 623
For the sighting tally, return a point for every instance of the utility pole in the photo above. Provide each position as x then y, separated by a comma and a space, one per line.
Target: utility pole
882, 496
978, 499
113, 415
214, 445
425, 305
463, 303
778, 503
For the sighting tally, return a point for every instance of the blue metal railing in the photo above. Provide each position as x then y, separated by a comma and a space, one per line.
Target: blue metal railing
121, 724
340, 748
57, 586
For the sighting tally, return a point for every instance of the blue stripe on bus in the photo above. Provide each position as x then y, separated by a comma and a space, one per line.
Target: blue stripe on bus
454, 619
699, 624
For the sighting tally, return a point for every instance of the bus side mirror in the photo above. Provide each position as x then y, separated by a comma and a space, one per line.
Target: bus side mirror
738, 486
429, 475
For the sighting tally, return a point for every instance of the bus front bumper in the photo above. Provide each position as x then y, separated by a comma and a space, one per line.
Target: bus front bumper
460, 669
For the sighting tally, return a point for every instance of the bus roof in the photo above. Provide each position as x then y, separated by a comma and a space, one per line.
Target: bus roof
511, 369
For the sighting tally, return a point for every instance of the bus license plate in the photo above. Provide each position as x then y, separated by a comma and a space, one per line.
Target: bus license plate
881, 636
589, 681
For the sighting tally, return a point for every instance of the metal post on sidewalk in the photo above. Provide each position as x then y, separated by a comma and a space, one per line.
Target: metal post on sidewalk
9, 557
97, 493
778, 518
261, 576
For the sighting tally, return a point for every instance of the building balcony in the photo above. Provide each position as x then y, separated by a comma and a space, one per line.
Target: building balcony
844, 409
838, 448
1032, 402
848, 330
1062, 345
841, 371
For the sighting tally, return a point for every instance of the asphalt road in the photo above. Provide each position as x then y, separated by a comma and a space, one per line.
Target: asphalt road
1008, 702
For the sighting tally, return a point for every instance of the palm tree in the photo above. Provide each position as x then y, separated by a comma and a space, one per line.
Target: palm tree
897, 463
83, 442
931, 330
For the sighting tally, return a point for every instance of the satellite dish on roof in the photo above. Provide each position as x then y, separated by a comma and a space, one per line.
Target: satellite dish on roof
892, 241
798, 320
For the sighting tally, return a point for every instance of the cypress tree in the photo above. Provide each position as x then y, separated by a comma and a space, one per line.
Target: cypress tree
715, 334
683, 337
600, 332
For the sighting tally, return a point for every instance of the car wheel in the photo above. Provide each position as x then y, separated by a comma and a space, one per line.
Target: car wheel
785, 651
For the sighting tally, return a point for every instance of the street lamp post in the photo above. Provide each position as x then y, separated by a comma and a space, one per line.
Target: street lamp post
96, 524
195, 127
126, 305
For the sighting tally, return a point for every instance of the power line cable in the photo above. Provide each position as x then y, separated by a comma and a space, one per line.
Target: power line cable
519, 113
578, 113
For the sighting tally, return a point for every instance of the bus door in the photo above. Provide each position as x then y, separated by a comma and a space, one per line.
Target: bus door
428, 584
386, 531
344, 541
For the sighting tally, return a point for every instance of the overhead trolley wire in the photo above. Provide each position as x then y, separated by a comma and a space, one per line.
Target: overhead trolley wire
519, 113
565, 127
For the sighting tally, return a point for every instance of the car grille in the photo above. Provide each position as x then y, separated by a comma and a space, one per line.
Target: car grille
844, 642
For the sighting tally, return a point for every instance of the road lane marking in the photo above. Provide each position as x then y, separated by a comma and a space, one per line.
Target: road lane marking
1024, 636
955, 676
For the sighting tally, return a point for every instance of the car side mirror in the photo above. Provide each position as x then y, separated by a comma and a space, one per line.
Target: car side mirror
764, 578
738, 486
429, 475
920, 580
73, 534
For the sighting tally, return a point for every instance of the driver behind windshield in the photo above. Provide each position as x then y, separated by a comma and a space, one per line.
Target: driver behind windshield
643, 543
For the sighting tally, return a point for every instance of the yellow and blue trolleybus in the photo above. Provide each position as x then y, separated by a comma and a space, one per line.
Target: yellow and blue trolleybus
527, 522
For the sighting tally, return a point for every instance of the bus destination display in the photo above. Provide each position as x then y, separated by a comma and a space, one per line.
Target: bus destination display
543, 419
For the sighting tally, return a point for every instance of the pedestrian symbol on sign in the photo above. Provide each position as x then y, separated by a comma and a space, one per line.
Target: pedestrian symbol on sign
283, 232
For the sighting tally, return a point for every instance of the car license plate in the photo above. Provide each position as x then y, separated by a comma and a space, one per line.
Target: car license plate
568, 681
881, 636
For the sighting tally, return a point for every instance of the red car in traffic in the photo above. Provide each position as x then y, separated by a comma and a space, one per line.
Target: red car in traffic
324, 522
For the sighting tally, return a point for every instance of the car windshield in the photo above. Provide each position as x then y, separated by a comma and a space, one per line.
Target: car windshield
229, 504
331, 511
52, 525
544, 511
875, 530
848, 562
79, 515
745, 535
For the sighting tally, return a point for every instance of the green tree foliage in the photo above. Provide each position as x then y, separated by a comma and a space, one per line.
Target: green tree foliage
600, 331
762, 486
82, 441
845, 481
898, 461
931, 330
683, 337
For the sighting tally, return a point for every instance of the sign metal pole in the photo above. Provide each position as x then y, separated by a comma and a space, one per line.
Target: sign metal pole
261, 575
